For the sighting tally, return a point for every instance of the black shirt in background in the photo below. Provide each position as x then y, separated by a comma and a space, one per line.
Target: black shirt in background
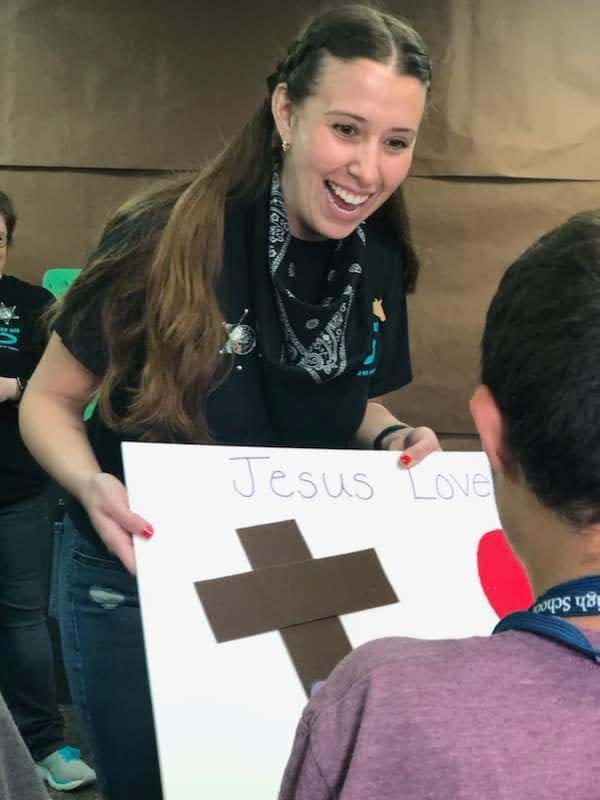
22, 342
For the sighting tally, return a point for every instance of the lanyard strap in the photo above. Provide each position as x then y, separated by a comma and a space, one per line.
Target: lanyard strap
577, 598
580, 597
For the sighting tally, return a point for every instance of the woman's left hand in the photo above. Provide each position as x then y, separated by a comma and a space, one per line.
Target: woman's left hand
416, 443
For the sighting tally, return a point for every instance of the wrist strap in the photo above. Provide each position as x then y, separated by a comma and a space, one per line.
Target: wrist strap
378, 441
20, 390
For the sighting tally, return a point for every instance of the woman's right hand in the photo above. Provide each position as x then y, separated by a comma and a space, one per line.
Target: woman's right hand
105, 500
51, 424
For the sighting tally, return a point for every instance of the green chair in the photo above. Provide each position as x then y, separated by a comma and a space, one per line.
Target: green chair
57, 280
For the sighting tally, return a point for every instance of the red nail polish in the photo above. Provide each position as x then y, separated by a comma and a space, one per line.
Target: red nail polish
148, 532
406, 460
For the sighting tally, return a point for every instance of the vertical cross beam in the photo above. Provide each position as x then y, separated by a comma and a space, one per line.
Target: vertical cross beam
315, 647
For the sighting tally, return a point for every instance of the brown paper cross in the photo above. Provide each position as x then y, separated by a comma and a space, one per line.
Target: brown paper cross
300, 596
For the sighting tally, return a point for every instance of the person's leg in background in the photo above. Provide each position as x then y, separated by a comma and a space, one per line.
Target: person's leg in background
103, 651
26, 664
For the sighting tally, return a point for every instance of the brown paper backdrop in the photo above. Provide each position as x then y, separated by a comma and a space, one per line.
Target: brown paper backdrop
516, 89
468, 232
140, 85
97, 99
61, 214
146, 85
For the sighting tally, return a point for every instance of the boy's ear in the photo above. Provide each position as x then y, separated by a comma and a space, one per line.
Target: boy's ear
491, 427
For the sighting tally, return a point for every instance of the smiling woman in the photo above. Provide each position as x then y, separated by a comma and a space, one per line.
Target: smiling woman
350, 144
260, 303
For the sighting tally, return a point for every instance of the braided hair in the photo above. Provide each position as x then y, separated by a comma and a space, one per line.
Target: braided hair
349, 32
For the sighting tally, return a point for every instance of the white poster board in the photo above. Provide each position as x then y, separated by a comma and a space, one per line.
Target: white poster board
226, 712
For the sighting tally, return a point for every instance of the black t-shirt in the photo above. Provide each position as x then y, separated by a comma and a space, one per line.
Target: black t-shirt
21, 344
258, 404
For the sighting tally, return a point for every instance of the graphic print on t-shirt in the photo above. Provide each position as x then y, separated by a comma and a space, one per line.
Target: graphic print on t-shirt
9, 334
7, 313
378, 309
368, 364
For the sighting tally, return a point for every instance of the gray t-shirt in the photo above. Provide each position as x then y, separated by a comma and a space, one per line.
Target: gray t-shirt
18, 778
508, 717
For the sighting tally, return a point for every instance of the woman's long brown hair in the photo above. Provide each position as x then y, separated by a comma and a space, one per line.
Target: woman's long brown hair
159, 258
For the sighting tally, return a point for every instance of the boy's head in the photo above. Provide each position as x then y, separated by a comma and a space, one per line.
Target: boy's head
538, 410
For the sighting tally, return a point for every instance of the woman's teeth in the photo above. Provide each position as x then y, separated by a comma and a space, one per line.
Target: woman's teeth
347, 197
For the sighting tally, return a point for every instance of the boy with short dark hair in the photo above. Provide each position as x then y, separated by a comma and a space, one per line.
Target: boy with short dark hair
515, 715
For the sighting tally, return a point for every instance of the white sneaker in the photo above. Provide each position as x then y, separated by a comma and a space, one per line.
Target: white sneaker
64, 770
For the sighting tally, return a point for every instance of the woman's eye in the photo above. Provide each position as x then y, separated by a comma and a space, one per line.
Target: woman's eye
397, 144
344, 129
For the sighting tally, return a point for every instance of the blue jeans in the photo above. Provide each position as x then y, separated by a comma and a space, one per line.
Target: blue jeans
26, 659
103, 652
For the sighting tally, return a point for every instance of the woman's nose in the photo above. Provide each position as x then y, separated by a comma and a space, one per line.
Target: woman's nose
365, 166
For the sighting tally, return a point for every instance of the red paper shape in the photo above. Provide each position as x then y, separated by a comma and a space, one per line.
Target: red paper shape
502, 576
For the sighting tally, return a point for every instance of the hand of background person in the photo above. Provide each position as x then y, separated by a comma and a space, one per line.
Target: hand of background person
105, 500
416, 443
9, 390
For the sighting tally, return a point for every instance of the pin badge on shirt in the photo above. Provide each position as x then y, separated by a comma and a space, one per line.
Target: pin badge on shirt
378, 309
241, 339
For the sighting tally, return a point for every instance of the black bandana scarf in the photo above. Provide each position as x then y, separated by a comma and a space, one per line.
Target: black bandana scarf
316, 337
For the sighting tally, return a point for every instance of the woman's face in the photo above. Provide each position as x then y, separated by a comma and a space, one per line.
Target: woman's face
352, 144
3, 249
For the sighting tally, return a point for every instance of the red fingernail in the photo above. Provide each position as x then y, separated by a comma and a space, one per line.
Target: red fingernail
148, 532
406, 460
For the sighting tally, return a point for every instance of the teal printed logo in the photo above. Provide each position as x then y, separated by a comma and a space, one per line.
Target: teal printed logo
370, 359
9, 338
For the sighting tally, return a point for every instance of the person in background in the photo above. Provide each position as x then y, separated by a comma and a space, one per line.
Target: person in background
26, 659
260, 303
514, 714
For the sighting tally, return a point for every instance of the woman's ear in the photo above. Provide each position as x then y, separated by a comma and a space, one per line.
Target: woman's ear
282, 108
491, 427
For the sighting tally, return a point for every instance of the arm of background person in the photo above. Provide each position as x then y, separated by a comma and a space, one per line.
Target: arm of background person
415, 442
9, 390
51, 423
